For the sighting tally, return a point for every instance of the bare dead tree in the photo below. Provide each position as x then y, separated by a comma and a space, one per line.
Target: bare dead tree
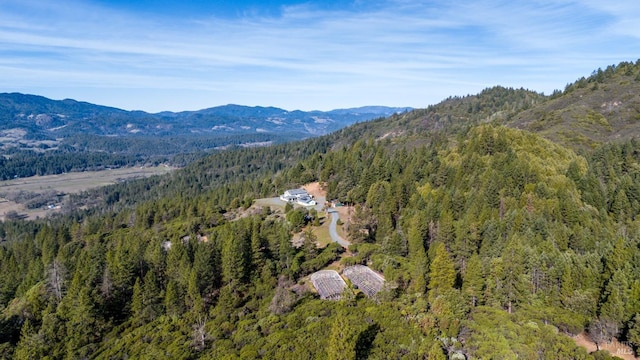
602, 331
200, 335
106, 288
56, 274
283, 299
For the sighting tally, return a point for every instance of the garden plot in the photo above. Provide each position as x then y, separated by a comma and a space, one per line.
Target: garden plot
328, 283
364, 278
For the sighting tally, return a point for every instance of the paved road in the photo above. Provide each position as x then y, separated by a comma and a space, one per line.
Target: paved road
320, 200
333, 231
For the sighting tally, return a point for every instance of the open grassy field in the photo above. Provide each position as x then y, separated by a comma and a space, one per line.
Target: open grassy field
322, 232
67, 184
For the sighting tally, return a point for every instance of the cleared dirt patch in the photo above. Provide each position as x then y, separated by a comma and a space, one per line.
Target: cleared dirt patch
614, 347
315, 189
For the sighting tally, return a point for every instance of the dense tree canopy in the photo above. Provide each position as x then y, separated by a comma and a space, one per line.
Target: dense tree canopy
494, 243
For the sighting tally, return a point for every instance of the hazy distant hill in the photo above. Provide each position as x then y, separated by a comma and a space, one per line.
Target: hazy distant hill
40, 118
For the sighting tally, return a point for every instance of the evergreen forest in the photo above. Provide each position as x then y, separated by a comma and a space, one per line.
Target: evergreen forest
498, 239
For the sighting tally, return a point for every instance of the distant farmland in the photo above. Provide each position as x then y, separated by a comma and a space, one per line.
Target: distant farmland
12, 191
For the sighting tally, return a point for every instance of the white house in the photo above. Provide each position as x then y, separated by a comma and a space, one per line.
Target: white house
296, 193
306, 201
293, 195
299, 196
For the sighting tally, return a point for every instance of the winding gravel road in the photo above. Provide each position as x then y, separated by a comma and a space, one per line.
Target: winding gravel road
333, 231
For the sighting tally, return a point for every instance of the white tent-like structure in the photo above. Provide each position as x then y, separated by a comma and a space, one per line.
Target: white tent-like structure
368, 281
329, 284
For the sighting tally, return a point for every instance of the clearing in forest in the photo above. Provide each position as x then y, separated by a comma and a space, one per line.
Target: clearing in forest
68, 183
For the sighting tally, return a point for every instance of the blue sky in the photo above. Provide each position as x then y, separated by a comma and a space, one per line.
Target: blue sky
157, 55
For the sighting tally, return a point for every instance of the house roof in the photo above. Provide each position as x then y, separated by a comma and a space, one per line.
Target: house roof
296, 192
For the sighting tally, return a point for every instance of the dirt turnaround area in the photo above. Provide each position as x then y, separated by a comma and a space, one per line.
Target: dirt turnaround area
316, 190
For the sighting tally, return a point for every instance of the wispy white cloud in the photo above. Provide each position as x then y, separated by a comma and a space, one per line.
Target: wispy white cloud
623, 15
391, 52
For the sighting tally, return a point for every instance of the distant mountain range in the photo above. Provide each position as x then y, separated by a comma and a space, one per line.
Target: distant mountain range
37, 117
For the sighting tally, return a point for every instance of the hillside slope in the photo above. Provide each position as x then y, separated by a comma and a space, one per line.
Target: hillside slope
449, 117
601, 108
